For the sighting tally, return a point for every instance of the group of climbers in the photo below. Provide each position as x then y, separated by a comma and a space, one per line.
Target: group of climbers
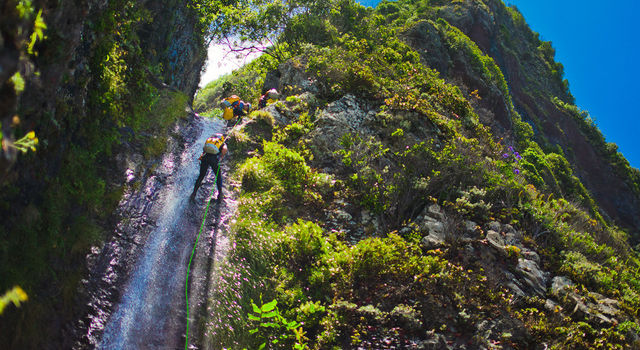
215, 146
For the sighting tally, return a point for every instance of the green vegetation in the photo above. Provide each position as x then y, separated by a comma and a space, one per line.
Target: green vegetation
16, 296
60, 210
334, 239
429, 147
269, 320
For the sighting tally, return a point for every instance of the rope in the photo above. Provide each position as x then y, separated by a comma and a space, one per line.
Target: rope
186, 284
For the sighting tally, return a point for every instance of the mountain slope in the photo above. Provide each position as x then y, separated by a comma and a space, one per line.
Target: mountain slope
412, 189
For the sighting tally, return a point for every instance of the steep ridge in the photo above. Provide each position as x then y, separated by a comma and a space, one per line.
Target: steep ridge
408, 191
534, 80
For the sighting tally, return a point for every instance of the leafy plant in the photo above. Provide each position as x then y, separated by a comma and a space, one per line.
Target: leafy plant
38, 33
26, 143
275, 329
15, 295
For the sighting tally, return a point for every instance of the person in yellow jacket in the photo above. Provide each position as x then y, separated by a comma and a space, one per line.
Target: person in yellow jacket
268, 97
233, 107
213, 151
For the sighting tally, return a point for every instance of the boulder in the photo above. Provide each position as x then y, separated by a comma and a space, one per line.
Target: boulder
511, 236
494, 225
561, 285
434, 233
432, 242
495, 240
435, 212
533, 276
530, 255
432, 227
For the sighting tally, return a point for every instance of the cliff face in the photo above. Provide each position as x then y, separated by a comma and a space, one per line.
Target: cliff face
173, 41
349, 228
104, 82
425, 182
535, 85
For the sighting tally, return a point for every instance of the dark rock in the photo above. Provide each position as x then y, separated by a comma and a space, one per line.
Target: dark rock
533, 276
425, 38
561, 285
495, 226
470, 228
495, 240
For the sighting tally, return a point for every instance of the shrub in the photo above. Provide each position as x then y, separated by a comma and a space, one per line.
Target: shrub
303, 246
256, 176
263, 116
288, 166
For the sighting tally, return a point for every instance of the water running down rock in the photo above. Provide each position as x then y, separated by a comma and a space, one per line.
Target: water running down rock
136, 288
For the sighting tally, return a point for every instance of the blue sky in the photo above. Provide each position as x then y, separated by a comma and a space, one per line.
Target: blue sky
598, 44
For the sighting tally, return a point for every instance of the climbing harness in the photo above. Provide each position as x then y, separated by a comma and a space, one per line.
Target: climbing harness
193, 251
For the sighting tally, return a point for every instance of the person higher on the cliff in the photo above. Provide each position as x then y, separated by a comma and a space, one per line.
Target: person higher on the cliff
213, 151
233, 107
268, 97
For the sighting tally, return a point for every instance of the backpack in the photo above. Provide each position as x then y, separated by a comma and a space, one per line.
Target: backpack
213, 145
227, 105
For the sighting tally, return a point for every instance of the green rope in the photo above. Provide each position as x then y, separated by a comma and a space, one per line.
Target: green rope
186, 284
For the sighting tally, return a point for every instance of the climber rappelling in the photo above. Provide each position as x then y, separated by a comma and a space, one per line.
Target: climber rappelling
213, 151
234, 107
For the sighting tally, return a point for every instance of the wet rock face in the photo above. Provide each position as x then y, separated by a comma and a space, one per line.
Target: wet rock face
54, 101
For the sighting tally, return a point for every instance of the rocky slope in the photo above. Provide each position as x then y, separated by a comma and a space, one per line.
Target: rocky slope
383, 207
534, 80
428, 274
